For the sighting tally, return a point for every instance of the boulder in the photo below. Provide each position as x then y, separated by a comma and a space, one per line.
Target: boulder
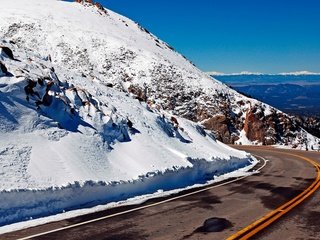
138, 93
254, 127
219, 124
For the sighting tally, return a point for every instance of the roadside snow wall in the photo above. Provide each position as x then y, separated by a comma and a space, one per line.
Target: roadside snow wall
26, 204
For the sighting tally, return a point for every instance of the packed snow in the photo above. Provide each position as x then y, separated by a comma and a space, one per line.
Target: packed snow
243, 140
235, 176
69, 138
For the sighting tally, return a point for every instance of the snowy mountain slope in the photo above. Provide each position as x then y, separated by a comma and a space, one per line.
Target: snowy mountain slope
71, 135
112, 50
88, 139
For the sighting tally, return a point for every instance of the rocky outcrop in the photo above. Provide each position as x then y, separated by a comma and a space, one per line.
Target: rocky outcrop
84, 1
222, 113
276, 127
220, 126
311, 124
138, 93
92, 3
254, 127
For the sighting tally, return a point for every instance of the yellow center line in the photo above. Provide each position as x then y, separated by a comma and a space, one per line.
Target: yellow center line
272, 216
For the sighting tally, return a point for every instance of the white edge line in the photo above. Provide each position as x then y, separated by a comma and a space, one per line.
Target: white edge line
147, 206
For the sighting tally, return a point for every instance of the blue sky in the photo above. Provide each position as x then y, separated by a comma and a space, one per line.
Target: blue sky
234, 35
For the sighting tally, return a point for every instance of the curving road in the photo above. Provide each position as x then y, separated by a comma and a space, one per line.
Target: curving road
216, 213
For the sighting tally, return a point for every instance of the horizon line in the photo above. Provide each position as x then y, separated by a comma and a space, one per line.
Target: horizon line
295, 73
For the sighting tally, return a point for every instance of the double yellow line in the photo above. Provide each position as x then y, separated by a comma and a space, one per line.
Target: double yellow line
271, 217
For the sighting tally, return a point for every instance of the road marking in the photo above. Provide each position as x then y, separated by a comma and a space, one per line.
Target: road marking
274, 215
143, 207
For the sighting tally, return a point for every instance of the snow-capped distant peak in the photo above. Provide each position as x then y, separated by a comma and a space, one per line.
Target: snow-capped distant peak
214, 73
248, 73
299, 73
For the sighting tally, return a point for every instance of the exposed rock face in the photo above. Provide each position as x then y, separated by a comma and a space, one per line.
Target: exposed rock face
222, 112
271, 129
219, 124
139, 93
84, 1
254, 127
92, 3
311, 124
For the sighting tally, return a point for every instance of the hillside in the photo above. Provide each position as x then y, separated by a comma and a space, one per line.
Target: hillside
94, 108
71, 134
297, 94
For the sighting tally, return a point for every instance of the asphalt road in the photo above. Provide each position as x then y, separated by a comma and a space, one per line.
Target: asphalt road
213, 214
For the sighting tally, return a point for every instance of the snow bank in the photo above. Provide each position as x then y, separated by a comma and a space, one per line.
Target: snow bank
25, 204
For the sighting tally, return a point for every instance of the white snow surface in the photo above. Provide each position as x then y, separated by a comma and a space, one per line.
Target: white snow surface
243, 140
235, 175
79, 150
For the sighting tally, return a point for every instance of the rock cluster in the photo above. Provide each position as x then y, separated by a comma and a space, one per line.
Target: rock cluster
92, 3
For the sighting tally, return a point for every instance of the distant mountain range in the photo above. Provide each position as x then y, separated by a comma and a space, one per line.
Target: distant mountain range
291, 98
295, 94
297, 73
242, 79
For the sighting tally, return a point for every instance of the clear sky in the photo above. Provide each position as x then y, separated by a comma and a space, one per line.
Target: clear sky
234, 35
